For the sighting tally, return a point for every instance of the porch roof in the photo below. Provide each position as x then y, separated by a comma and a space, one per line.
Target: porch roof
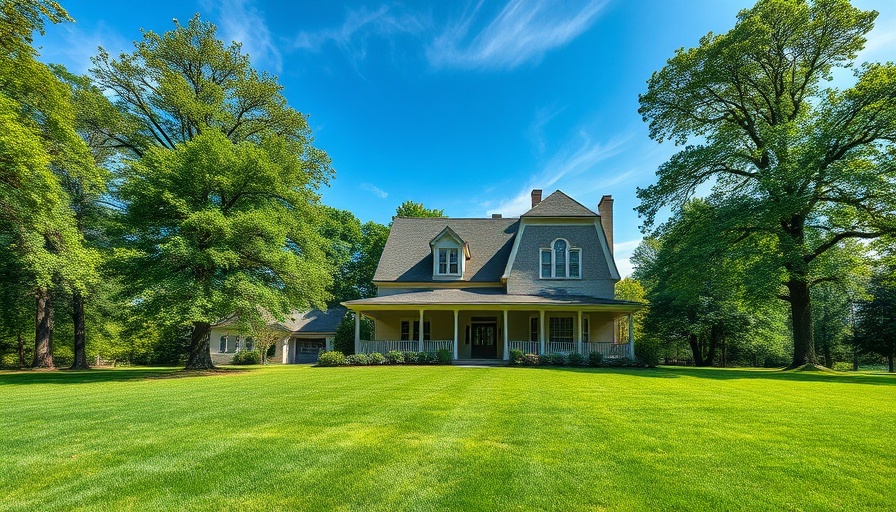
487, 298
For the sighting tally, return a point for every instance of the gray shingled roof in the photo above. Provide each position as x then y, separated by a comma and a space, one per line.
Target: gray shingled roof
448, 296
559, 204
407, 256
315, 321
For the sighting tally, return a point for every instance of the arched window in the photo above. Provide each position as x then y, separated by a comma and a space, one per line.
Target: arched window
561, 261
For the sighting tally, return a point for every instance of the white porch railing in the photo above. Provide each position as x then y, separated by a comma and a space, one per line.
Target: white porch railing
562, 347
384, 346
528, 347
607, 349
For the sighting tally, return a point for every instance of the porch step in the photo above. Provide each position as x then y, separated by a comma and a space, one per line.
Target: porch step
479, 362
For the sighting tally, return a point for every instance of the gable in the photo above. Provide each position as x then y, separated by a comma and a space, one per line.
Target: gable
559, 204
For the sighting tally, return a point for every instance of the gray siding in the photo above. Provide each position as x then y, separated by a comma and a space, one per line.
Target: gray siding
595, 281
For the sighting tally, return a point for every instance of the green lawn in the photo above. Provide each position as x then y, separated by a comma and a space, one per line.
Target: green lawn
420, 438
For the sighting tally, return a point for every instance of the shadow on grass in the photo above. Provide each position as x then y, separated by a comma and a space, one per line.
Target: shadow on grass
673, 372
107, 375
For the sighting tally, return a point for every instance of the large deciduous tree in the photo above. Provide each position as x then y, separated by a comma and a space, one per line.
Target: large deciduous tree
787, 158
38, 147
876, 318
221, 187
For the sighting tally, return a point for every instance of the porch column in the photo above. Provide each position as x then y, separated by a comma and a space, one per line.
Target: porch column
420, 334
579, 334
455, 334
541, 332
357, 332
285, 355
506, 339
631, 335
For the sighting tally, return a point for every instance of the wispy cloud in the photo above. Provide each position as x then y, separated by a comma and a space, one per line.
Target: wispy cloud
74, 46
570, 162
524, 31
359, 27
241, 21
536, 132
373, 189
622, 253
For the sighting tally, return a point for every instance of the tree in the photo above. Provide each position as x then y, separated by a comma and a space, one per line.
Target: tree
344, 341
709, 309
876, 318
38, 144
412, 209
220, 196
801, 167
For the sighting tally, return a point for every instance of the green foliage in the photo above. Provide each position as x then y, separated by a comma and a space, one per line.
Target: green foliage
876, 318
575, 359
595, 359
246, 357
842, 366
411, 358
530, 360
795, 168
356, 360
375, 358
331, 358
648, 351
412, 209
554, 359
516, 356
344, 341
395, 357
444, 356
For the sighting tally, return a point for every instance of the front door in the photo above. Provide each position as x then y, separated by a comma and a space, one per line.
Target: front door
485, 337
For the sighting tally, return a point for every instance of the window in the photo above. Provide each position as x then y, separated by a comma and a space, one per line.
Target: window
250, 343
407, 335
533, 329
223, 346
448, 263
561, 261
586, 337
561, 329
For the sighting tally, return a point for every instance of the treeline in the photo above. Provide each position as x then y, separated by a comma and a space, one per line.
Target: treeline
794, 235
169, 188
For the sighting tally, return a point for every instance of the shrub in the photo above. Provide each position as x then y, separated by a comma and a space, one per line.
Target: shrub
530, 360
444, 356
620, 362
375, 358
411, 358
246, 357
331, 358
575, 359
554, 359
395, 357
842, 366
356, 360
425, 357
516, 356
647, 351
595, 359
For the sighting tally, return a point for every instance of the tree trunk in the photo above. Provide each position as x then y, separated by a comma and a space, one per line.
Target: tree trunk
801, 313
696, 350
828, 360
200, 354
21, 341
43, 332
724, 354
890, 362
80, 332
711, 353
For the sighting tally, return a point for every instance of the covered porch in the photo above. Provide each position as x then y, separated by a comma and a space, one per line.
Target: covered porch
482, 325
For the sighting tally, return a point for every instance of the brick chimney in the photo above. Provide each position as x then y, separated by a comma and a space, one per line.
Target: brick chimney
605, 210
536, 196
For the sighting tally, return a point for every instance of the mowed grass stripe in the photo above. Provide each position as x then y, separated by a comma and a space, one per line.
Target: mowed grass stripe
421, 438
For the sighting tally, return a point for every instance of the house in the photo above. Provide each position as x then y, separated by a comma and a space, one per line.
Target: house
303, 336
540, 283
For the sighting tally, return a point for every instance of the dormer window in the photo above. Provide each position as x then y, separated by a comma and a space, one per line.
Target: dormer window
448, 264
560, 261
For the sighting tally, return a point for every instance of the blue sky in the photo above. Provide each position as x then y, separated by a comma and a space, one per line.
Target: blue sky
461, 105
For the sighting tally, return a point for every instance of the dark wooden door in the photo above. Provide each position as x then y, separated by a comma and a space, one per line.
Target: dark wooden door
484, 342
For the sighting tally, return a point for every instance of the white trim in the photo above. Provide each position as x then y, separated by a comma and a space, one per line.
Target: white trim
608, 255
569, 249
514, 250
